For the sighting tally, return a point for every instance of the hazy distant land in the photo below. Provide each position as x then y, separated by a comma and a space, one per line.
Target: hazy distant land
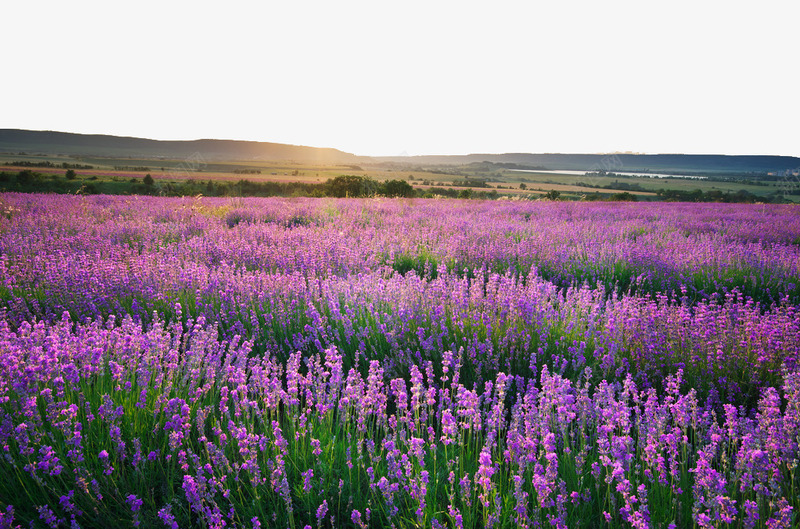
113, 164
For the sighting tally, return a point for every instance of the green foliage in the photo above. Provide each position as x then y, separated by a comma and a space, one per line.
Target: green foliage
64, 165
470, 183
713, 195
90, 189
424, 264
352, 186
27, 177
623, 197
397, 188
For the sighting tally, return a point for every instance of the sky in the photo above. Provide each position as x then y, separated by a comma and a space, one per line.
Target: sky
435, 77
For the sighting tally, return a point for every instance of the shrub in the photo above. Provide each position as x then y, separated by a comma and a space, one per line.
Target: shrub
623, 197
397, 188
26, 177
351, 186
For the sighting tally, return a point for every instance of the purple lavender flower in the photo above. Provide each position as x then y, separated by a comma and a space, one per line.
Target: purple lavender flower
166, 516
307, 477
355, 516
322, 510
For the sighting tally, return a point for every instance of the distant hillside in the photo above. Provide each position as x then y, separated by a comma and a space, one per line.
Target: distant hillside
48, 142
63, 143
674, 163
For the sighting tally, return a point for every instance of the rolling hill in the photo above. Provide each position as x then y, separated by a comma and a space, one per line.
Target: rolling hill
672, 163
52, 143
64, 143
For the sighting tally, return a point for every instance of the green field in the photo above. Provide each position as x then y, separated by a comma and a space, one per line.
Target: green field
195, 175
647, 184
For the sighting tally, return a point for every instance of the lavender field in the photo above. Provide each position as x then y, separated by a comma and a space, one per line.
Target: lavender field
298, 363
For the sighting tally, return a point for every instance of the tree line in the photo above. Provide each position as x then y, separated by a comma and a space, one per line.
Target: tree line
352, 186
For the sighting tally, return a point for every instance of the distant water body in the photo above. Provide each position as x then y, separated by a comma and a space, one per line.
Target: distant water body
621, 173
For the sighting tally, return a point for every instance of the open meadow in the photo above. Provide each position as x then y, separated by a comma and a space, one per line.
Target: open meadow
276, 362
196, 174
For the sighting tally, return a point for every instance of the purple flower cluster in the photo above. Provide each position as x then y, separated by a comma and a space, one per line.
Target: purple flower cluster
526, 436
385, 363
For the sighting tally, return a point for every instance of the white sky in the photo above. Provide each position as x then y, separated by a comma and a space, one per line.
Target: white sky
381, 78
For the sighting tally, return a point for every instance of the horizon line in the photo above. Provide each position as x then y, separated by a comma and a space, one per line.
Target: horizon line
405, 155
